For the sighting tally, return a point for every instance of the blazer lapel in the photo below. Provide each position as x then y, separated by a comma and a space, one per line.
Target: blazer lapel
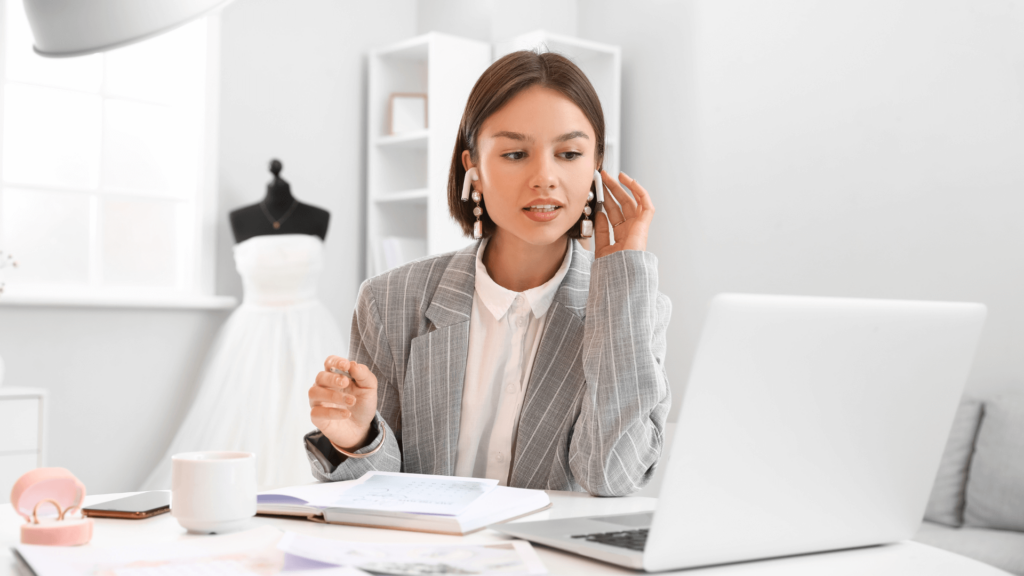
432, 398
556, 382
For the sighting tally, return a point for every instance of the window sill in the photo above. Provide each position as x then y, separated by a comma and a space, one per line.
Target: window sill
179, 302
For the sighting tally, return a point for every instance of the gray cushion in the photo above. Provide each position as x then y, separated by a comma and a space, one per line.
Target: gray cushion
1000, 548
946, 504
995, 490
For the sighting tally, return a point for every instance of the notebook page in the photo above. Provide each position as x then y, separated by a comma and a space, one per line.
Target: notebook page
317, 494
414, 493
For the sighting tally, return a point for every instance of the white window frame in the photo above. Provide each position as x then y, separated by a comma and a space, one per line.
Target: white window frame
201, 293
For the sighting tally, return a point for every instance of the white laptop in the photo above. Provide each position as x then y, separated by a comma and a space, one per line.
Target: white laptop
808, 424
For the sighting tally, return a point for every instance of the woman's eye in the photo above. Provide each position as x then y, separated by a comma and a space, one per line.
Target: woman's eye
514, 155
571, 155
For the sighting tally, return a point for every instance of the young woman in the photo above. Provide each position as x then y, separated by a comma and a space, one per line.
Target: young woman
522, 357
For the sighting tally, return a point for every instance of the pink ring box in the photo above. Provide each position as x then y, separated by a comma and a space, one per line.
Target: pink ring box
53, 493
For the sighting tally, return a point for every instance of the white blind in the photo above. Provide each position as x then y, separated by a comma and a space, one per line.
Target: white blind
103, 163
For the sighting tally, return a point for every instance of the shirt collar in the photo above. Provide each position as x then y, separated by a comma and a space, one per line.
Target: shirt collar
498, 299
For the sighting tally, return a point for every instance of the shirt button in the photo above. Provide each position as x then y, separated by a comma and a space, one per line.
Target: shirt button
500, 458
522, 321
510, 389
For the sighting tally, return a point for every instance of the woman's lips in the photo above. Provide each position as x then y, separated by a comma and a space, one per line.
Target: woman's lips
539, 214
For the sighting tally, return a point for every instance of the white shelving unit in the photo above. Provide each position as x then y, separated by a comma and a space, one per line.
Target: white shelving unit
407, 174
22, 434
602, 63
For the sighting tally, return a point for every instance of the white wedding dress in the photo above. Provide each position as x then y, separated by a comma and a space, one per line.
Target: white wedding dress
252, 394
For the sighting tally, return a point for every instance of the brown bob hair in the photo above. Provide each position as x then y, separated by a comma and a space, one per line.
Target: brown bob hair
505, 78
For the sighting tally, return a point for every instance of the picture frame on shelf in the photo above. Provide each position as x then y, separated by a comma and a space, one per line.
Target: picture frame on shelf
407, 112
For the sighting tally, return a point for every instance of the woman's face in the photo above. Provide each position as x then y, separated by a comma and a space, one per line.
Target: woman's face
536, 163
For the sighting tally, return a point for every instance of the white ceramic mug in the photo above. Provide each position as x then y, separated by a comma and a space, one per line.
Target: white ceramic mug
213, 491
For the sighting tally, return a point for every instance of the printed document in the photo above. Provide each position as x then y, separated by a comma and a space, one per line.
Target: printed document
267, 551
414, 494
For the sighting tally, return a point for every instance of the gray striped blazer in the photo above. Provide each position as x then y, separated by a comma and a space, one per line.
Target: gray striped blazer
595, 408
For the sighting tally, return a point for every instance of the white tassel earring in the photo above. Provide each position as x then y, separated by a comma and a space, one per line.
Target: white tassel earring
587, 225
467, 186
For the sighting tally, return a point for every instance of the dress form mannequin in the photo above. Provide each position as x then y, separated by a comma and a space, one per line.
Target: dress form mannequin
252, 391
290, 215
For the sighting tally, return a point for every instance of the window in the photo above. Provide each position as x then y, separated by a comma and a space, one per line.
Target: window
104, 180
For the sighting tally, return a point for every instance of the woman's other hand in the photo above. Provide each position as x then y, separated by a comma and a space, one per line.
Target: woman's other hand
629, 219
342, 407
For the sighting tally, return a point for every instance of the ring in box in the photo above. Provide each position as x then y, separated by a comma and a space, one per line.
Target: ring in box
53, 492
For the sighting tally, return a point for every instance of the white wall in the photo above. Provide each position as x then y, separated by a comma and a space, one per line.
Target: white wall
496, 20
120, 380
837, 148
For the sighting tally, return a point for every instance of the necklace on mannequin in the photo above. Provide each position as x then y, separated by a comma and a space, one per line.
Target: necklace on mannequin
278, 221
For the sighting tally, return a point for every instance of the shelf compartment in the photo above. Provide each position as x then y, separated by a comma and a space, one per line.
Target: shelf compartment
396, 169
405, 219
411, 140
417, 48
416, 196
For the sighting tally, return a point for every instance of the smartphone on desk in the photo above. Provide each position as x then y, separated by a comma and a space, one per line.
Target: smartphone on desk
134, 507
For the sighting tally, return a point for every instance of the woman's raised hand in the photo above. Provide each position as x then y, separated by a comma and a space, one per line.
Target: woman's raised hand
628, 219
342, 407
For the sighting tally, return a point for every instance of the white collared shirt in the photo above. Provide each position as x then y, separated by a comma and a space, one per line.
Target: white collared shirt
504, 334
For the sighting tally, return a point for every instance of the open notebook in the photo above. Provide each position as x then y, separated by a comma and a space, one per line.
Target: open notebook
417, 502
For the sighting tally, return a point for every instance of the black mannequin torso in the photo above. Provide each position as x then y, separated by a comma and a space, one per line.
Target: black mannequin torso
278, 213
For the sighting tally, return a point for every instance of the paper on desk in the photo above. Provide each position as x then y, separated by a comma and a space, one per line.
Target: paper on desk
515, 557
228, 568
241, 553
387, 491
316, 494
414, 493
250, 552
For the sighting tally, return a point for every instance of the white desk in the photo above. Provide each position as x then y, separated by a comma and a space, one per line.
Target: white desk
907, 558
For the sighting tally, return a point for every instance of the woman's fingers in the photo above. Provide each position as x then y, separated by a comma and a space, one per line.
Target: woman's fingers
332, 380
643, 198
362, 376
646, 207
318, 395
628, 216
336, 362
339, 372
610, 205
626, 201
343, 401
329, 413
